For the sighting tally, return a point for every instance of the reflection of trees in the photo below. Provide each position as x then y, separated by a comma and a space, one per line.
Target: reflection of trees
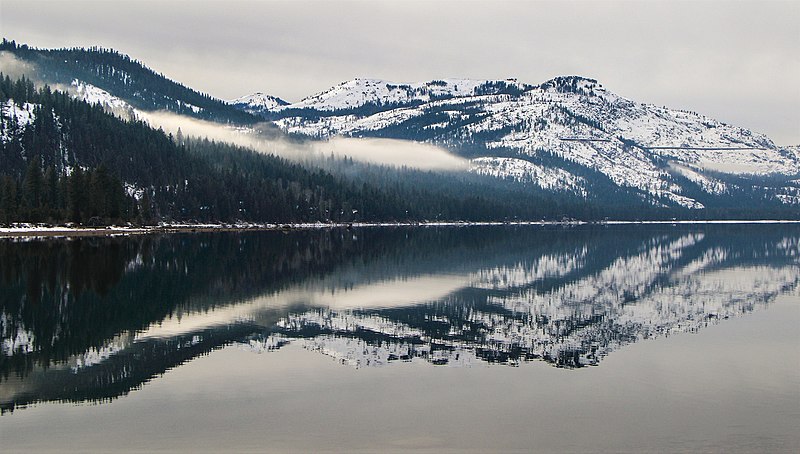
42, 282
60, 298
64, 297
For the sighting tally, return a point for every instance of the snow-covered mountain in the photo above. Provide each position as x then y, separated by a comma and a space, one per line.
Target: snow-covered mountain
568, 136
258, 103
565, 135
357, 93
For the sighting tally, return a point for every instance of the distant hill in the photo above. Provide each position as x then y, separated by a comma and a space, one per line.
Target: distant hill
258, 103
124, 78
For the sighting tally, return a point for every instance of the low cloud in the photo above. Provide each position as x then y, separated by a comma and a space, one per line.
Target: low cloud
265, 138
15, 68
392, 152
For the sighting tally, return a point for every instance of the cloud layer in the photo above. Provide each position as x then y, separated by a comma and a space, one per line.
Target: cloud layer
378, 151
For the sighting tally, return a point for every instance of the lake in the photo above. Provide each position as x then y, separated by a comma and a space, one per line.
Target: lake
624, 338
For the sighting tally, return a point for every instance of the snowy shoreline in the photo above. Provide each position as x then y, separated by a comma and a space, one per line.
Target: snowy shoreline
34, 230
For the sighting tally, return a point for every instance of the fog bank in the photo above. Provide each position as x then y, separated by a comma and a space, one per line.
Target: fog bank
266, 139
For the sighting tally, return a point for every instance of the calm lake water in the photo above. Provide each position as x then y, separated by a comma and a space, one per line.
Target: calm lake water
583, 339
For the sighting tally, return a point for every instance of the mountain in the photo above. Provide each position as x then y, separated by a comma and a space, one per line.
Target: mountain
111, 75
64, 159
565, 147
357, 94
566, 134
258, 103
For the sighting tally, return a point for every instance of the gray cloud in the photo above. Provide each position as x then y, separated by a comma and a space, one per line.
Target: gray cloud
736, 61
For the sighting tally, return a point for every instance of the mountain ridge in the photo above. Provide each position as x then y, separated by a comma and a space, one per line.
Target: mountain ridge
125, 78
517, 131
567, 136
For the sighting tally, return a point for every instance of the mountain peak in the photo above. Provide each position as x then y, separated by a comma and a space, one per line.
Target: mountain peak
571, 84
359, 92
258, 102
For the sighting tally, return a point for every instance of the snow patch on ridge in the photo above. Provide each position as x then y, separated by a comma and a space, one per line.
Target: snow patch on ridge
13, 115
95, 95
359, 92
549, 178
258, 102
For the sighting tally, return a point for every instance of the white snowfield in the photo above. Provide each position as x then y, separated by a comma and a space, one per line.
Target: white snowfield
551, 178
358, 92
258, 102
95, 95
571, 118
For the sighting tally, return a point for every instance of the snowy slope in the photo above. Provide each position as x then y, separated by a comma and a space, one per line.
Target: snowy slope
14, 117
95, 95
549, 178
667, 156
360, 92
258, 103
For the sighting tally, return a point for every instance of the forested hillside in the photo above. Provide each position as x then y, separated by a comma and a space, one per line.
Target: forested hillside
125, 78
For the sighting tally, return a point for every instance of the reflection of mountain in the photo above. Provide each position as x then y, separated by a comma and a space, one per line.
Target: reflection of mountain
561, 314
93, 319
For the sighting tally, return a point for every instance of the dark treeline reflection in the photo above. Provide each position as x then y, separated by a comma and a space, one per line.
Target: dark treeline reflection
93, 318
60, 298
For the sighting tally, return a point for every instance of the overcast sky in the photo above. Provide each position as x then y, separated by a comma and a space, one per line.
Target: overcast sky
736, 61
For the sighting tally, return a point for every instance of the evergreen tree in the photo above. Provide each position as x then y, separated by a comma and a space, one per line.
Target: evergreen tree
77, 196
32, 190
50, 193
8, 199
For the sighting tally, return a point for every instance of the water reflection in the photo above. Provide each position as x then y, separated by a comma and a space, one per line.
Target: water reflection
92, 319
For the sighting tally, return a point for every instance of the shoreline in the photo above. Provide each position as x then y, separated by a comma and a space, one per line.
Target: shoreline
33, 231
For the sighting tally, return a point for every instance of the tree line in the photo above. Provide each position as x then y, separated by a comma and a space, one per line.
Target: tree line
92, 197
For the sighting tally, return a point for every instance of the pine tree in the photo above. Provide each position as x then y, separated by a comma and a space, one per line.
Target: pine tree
32, 190
8, 200
76, 196
50, 193
145, 211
